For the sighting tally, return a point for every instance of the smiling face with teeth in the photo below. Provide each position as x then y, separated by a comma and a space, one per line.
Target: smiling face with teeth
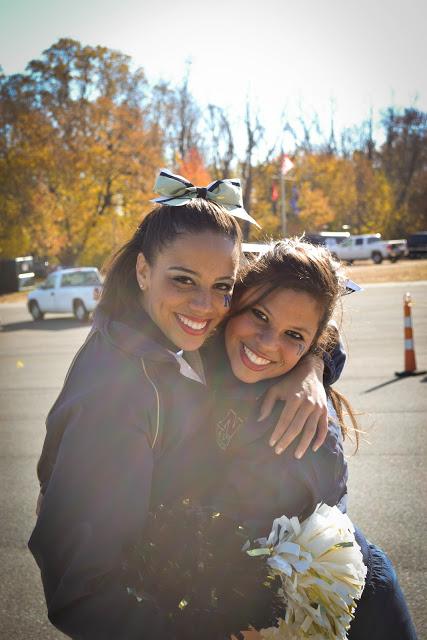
268, 339
184, 287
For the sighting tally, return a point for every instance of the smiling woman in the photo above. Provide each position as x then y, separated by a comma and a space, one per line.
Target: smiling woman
184, 289
178, 266
267, 339
128, 397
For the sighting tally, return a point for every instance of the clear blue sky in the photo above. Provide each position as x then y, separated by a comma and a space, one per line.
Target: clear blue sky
281, 53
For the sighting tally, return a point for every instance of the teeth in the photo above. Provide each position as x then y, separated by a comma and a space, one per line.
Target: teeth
197, 326
254, 358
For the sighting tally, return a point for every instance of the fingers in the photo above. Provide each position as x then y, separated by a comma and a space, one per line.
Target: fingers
268, 403
296, 425
285, 419
322, 430
307, 436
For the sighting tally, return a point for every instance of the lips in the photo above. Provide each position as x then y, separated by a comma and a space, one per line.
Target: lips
253, 360
192, 326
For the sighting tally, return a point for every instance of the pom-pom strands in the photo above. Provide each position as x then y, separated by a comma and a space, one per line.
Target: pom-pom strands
190, 563
321, 569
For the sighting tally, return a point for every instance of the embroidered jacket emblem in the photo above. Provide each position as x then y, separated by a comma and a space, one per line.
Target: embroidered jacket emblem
227, 428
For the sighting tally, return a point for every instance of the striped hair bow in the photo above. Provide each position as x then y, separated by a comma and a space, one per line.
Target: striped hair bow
176, 191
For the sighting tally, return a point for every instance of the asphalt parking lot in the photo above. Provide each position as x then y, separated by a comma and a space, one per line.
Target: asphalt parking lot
388, 477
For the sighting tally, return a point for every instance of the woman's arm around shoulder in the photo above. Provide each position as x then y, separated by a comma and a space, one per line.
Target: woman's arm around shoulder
305, 412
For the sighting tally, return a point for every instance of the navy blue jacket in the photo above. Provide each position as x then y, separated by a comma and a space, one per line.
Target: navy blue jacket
116, 431
255, 485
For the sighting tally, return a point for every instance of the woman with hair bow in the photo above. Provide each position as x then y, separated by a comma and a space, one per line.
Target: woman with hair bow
130, 406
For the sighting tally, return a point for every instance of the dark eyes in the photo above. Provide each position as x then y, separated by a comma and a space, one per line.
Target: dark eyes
183, 280
223, 287
260, 315
226, 287
294, 334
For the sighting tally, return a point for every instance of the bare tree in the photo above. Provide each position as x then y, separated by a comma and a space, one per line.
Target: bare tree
404, 151
255, 133
221, 142
178, 117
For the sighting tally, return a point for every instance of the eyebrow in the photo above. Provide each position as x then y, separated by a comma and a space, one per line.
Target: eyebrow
195, 273
300, 329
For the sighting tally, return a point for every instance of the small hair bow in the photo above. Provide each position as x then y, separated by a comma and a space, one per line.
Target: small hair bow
176, 191
351, 287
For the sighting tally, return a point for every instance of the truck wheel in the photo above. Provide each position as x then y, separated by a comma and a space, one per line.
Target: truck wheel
80, 311
377, 257
35, 311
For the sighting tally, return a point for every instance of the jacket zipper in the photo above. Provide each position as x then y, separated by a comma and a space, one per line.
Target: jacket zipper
156, 392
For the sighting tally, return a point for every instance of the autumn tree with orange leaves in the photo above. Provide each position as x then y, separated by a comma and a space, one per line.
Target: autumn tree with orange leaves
77, 142
192, 167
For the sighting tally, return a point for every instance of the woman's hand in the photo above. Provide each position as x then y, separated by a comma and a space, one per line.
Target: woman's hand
305, 408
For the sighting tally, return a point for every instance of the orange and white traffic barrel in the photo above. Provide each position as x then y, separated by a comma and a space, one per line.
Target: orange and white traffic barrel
410, 364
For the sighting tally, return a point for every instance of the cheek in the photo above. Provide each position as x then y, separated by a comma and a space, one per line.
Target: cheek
168, 293
238, 328
222, 303
161, 297
292, 353
300, 349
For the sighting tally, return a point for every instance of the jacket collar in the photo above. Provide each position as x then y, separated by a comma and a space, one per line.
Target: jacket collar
137, 335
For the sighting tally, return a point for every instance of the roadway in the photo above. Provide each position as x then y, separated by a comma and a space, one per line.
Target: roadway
388, 477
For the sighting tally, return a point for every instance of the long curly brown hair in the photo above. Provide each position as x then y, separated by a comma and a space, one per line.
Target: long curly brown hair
301, 266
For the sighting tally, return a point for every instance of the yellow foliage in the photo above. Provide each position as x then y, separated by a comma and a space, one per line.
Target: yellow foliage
315, 212
77, 167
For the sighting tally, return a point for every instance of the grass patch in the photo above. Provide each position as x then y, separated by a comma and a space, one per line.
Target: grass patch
401, 271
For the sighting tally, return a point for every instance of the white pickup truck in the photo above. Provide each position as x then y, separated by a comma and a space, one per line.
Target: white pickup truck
365, 247
67, 291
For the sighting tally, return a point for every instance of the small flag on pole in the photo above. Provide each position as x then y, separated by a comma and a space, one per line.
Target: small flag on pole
274, 192
286, 164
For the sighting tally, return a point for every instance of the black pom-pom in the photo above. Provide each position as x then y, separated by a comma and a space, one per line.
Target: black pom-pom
191, 563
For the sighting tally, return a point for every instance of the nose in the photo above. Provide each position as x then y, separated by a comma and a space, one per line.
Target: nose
269, 342
201, 302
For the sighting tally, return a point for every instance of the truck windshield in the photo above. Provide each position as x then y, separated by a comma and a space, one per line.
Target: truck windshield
80, 279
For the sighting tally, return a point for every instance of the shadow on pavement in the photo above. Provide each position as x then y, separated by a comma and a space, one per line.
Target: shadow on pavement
53, 324
396, 378
383, 384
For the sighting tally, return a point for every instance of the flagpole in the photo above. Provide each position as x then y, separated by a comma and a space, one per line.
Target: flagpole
286, 165
283, 203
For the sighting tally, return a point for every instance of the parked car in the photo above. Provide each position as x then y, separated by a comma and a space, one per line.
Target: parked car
417, 245
396, 249
67, 291
368, 246
16, 274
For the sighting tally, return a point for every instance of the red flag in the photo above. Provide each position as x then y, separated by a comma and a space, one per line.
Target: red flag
274, 192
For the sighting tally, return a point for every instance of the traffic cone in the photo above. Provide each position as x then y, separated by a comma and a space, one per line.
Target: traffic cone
410, 362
